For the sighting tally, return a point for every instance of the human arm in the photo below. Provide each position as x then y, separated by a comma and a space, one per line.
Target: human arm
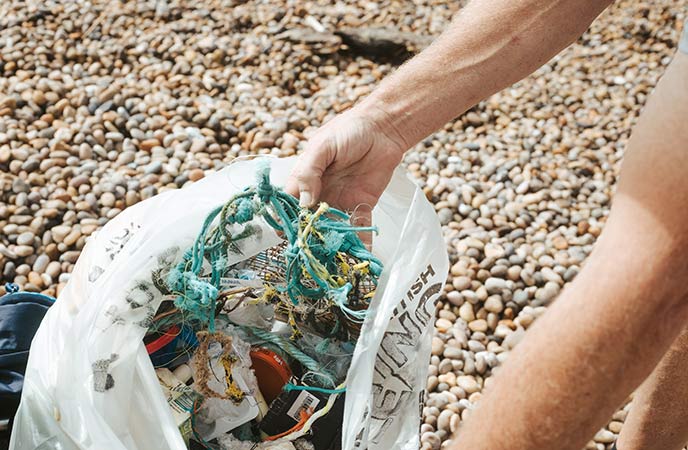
611, 326
490, 45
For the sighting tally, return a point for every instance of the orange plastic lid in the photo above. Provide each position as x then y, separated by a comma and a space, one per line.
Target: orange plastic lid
272, 372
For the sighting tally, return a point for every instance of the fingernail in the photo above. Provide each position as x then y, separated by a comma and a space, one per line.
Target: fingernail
305, 199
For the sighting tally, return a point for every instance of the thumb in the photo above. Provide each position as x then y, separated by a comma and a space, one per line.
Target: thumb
305, 180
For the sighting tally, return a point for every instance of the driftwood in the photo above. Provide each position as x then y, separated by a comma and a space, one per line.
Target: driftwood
370, 41
380, 41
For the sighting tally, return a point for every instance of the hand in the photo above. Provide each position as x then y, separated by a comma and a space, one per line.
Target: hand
348, 162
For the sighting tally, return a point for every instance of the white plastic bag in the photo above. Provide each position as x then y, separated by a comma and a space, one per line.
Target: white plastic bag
90, 383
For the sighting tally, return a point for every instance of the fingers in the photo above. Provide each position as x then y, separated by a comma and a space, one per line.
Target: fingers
305, 181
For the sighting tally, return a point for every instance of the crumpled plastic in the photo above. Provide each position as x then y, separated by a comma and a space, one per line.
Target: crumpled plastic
229, 442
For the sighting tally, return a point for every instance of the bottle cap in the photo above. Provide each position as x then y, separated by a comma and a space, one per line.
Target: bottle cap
272, 372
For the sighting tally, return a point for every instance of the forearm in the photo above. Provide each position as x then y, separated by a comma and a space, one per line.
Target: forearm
490, 45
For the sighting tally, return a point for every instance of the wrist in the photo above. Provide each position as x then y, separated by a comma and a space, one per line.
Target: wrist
386, 119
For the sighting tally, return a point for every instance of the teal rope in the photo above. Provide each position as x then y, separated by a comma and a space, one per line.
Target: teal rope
282, 212
293, 351
292, 387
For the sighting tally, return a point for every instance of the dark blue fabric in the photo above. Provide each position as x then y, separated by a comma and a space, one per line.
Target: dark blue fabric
20, 315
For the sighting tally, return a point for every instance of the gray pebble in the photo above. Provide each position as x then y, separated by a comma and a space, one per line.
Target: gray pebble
25, 238
41, 264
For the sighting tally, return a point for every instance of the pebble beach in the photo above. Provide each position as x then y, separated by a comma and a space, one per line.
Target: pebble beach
104, 104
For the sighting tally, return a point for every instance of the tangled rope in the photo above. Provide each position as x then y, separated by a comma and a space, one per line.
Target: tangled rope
317, 244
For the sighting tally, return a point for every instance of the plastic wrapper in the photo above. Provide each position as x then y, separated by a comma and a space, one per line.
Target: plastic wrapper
218, 416
229, 442
91, 385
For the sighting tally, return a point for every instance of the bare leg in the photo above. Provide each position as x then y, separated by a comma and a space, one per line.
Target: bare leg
658, 418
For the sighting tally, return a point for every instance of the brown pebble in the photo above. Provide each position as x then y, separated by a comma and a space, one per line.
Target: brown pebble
560, 243
196, 174
148, 144
71, 256
52, 251
35, 279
